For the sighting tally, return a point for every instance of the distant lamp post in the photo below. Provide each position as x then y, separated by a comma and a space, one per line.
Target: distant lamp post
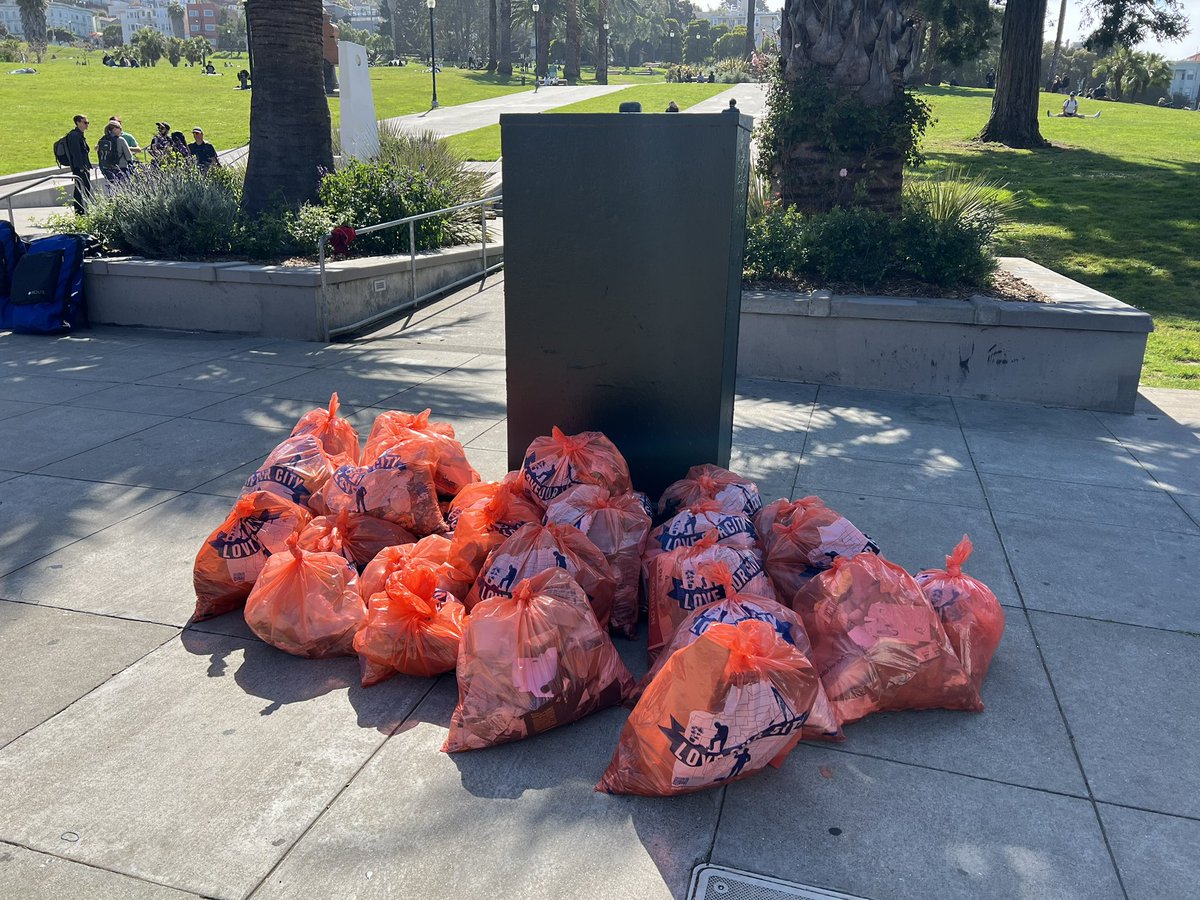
432, 52
602, 57
535, 7
672, 51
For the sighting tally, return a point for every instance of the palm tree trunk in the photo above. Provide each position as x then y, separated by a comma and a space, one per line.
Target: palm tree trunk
290, 141
505, 62
749, 28
542, 42
1014, 119
602, 43
933, 68
492, 37
574, 38
33, 23
1062, 14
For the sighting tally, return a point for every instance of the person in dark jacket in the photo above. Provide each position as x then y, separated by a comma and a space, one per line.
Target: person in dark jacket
204, 152
112, 153
79, 154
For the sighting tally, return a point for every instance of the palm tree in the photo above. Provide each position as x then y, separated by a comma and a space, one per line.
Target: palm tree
602, 29
506, 21
493, 26
574, 38
151, 45
290, 138
175, 10
850, 57
1153, 72
33, 23
1117, 69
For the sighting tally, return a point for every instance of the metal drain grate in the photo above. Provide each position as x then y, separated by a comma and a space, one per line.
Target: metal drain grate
720, 883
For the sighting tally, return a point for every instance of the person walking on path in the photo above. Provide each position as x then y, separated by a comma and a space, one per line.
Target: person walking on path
112, 153
204, 152
79, 154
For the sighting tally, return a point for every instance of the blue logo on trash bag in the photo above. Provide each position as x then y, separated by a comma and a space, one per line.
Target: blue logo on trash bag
686, 529
694, 595
241, 542
539, 478
741, 612
280, 476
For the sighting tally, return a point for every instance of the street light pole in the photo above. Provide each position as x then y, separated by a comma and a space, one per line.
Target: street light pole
602, 56
672, 46
432, 52
536, 34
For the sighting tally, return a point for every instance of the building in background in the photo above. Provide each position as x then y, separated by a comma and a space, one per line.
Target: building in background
203, 20
766, 24
135, 15
1185, 78
80, 22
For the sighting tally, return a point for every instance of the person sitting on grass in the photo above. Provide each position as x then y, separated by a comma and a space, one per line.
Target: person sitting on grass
1070, 109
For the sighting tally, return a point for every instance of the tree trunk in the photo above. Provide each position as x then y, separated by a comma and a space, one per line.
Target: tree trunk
493, 26
602, 44
574, 37
505, 62
914, 72
749, 28
1014, 119
933, 66
859, 50
1062, 14
542, 43
290, 141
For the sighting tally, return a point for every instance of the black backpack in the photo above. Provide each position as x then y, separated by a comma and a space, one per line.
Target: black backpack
104, 151
61, 155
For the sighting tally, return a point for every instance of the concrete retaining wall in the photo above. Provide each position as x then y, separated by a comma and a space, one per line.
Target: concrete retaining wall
1085, 350
270, 301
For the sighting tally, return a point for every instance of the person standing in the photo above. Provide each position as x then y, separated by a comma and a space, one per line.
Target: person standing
204, 152
112, 153
79, 154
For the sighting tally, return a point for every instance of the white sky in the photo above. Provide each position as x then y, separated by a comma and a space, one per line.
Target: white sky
1074, 30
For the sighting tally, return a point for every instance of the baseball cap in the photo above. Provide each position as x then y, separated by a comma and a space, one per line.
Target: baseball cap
166, 125
198, 129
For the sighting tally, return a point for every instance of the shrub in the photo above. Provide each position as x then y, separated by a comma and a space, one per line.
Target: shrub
773, 244
853, 244
731, 44
733, 70
169, 213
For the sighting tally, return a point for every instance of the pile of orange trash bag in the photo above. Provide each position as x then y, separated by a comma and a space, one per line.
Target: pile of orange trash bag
878, 642
558, 461
618, 526
296, 470
232, 557
412, 627
690, 577
532, 661
801, 538
733, 609
336, 436
970, 613
535, 548
732, 493
306, 603
722, 707
688, 525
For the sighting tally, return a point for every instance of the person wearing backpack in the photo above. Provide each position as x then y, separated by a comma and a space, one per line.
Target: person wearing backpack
112, 153
79, 159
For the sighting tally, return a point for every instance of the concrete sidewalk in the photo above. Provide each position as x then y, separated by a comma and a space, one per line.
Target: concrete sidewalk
145, 759
448, 120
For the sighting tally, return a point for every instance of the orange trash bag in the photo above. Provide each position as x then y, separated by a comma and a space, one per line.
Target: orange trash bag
433, 551
306, 604
801, 538
392, 487
733, 493
231, 558
970, 613
356, 537
413, 627
336, 436
536, 548
296, 470
618, 526
877, 642
687, 578
737, 607
483, 515
404, 433
556, 462
532, 662
691, 523
721, 708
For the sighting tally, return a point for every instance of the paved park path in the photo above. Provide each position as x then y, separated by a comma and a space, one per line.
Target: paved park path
448, 120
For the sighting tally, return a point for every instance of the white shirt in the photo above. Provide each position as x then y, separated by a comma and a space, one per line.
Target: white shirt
1070, 105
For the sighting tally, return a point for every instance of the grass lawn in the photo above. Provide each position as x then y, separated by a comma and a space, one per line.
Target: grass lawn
1115, 205
38, 108
484, 143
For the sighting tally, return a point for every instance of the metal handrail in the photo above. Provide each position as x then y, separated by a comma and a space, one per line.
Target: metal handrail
410, 221
7, 198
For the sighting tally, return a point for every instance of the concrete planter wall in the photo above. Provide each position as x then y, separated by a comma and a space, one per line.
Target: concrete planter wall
1085, 350
269, 301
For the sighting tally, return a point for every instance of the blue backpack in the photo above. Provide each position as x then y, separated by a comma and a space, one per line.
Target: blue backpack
11, 250
44, 297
